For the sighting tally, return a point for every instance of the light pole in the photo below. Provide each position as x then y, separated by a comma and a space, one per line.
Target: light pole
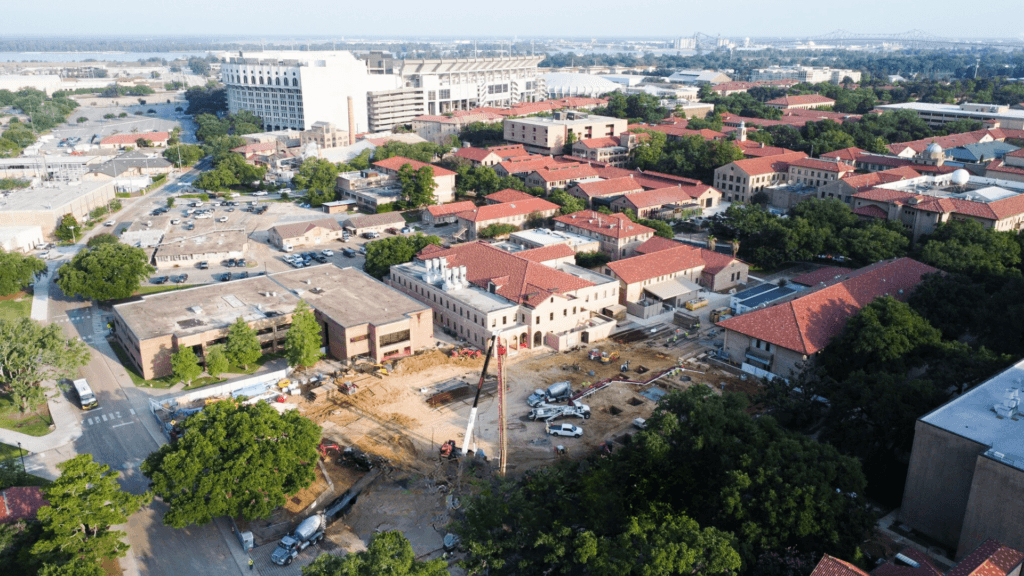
22, 454
74, 239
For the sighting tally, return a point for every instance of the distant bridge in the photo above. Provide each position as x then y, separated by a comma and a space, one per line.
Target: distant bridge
909, 39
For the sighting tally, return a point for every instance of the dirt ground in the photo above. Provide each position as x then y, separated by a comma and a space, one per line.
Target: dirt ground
390, 418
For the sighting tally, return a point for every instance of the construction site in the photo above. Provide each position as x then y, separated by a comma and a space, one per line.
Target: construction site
395, 435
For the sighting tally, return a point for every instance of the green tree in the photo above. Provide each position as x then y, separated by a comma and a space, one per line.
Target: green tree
570, 139
69, 229
874, 242
568, 203
18, 271
242, 347
84, 503
417, 185
107, 272
592, 259
31, 353
183, 154
216, 360
967, 247
382, 254
388, 553
661, 228
304, 340
101, 239
319, 177
495, 230
82, 119
885, 333
185, 365
234, 460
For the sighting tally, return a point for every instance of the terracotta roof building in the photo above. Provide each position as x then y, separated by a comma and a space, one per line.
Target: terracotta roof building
816, 173
20, 503
672, 272
666, 203
478, 156
122, 140
604, 189
830, 566
845, 188
507, 195
508, 151
740, 180
562, 176
804, 101
443, 178
446, 212
477, 289
515, 213
783, 337
523, 166
612, 150
619, 236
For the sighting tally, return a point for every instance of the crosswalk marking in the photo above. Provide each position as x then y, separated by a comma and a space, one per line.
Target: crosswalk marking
117, 414
132, 410
90, 421
104, 417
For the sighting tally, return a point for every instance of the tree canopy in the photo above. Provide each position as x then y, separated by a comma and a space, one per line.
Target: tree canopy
705, 488
319, 177
106, 272
233, 459
242, 346
18, 271
31, 353
382, 254
304, 340
84, 503
183, 154
418, 186
965, 246
185, 365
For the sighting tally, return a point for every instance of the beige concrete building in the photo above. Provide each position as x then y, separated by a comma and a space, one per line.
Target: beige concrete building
550, 135
613, 150
619, 236
443, 178
358, 315
784, 337
325, 135
440, 129
477, 290
188, 249
374, 222
801, 102
808, 74
311, 233
740, 180
45, 206
966, 472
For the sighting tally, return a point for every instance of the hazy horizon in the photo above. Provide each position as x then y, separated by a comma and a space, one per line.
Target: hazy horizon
405, 19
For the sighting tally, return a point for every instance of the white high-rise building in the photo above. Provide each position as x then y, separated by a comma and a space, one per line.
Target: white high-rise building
294, 89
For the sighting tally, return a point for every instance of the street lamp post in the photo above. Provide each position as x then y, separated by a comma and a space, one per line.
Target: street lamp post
22, 454
74, 239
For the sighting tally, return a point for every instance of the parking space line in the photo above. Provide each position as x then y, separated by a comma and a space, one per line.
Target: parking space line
132, 410
89, 421
122, 424
117, 414
104, 417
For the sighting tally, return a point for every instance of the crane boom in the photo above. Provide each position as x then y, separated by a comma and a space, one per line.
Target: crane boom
472, 413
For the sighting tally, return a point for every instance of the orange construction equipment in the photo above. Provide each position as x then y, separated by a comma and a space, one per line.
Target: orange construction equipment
325, 447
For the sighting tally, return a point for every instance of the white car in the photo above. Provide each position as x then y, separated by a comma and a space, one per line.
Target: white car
110, 222
327, 252
203, 216
176, 221
565, 430
222, 219
260, 193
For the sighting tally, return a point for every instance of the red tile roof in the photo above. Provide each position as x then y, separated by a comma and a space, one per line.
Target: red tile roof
768, 165
824, 275
846, 154
662, 196
508, 195
20, 502
257, 147
395, 164
546, 253
825, 165
297, 229
872, 211
767, 151
646, 178
862, 182
516, 278
120, 139
808, 323
989, 559
899, 568
528, 164
656, 244
830, 566
453, 208
565, 173
951, 141
474, 154
490, 212
801, 100
599, 188
669, 260
612, 226
595, 143
510, 151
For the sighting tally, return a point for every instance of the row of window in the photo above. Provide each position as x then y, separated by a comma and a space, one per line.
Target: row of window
246, 80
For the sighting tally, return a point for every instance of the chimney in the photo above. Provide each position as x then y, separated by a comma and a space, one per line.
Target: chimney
351, 121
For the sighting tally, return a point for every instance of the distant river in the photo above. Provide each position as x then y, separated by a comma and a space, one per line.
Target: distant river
99, 56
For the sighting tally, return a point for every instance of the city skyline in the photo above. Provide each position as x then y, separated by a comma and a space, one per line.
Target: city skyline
527, 18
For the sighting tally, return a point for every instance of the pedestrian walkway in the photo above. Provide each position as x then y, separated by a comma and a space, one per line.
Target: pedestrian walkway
66, 426
41, 296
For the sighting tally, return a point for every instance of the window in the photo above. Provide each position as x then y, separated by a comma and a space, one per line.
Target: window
552, 318
395, 337
358, 338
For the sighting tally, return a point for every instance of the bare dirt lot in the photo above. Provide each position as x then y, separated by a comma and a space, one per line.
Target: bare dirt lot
391, 418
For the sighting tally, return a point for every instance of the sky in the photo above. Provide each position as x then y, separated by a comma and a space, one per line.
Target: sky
520, 18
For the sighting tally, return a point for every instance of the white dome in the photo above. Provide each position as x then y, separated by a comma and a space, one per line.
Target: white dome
933, 148
960, 177
563, 85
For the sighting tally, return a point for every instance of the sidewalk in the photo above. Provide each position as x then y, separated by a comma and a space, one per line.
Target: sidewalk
67, 427
41, 295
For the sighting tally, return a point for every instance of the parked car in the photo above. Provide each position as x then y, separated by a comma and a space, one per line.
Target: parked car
176, 221
230, 262
349, 253
204, 265
225, 277
260, 193
159, 280
203, 216
565, 430
222, 219
371, 235
327, 252
241, 263
407, 230
244, 274
110, 222
181, 279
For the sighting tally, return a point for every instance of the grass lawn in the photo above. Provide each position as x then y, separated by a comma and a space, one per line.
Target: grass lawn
37, 423
412, 216
7, 451
17, 308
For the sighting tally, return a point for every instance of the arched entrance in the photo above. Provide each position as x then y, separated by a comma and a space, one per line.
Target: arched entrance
536, 339
523, 340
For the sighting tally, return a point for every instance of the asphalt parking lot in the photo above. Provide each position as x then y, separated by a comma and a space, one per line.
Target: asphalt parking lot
165, 120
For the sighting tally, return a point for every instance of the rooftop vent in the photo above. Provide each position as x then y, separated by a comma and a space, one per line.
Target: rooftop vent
901, 557
198, 310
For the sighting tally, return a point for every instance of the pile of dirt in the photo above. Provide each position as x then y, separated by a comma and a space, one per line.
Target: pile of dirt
433, 359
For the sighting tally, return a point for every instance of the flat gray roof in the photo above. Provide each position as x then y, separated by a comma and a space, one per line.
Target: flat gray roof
210, 307
348, 296
48, 198
983, 415
951, 109
213, 242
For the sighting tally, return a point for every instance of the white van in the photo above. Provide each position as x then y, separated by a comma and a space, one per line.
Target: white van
287, 248
86, 398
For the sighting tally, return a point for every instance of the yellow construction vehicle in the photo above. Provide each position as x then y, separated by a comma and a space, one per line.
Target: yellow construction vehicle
379, 370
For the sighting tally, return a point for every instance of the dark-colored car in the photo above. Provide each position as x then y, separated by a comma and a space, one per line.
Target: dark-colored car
349, 253
230, 263
241, 263
181, 279
320, 258
225, 277
244, 274
159, 280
